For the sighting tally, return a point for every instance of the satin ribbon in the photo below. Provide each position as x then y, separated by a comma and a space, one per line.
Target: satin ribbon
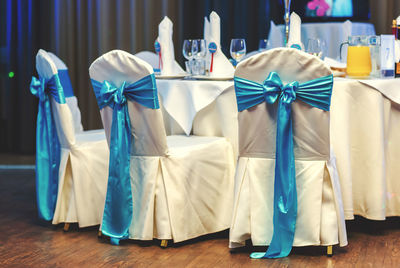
118, 208
47, 145
66, 83
317, 93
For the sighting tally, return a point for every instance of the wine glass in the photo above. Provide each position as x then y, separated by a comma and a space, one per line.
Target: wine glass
187, 53
263, 45
199, 52
314, 47
199, 48
238, 49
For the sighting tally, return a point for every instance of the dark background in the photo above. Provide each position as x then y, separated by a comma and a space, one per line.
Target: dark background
79, 31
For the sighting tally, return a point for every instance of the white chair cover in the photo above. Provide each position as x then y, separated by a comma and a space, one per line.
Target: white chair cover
182, 187
320, 219
71, 101
83, 168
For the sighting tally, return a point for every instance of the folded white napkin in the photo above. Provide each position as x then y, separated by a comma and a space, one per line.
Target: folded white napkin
212, 33
295, 32
169, 65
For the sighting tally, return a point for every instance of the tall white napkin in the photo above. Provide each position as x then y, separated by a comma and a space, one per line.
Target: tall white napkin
212, 33
347, 30
169, 65
295, 32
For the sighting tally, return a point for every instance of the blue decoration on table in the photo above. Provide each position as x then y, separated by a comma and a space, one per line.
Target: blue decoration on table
317, 93
157, 47
118, 207
296, 46
47, 145
212, 47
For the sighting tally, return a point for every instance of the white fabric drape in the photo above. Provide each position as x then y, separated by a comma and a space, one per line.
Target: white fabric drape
182, 187
320, 218
83, 170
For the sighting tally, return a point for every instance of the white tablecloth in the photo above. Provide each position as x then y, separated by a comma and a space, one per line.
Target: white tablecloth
365, 134
334, 33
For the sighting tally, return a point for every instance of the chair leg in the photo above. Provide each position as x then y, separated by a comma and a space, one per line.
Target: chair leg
164, 243
66, 227
99, 234
329, 251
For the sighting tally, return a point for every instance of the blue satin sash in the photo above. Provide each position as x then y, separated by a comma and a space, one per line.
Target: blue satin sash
47, 145
317, 93
66, 83
118, 208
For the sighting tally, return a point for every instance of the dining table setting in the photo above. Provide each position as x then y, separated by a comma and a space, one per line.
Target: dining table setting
280, 145
365, 105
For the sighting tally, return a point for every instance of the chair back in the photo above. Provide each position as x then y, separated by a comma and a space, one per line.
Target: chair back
257, 125
70, 98
61, 113
147, 126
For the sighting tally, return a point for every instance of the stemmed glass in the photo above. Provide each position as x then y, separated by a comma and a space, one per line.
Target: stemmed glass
199, 52
187, 53
199, 48
238, 49
314, 47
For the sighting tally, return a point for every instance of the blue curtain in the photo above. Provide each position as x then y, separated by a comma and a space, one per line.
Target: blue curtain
79, 31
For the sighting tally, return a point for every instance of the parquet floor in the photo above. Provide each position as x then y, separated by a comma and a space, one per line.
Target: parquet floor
27, 242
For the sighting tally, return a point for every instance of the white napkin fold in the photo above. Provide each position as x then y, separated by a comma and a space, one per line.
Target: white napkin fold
212, 33
295, 32
169, 65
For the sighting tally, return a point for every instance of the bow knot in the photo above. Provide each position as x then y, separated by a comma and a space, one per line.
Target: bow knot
42, 88
38, 88
116, 94
274, 88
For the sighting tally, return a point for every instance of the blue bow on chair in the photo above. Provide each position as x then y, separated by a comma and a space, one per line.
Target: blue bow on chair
118, 207
317, 93
47, 145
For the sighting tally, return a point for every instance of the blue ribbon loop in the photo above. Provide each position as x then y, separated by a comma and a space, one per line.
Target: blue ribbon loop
317, 93
118, 208
48, 147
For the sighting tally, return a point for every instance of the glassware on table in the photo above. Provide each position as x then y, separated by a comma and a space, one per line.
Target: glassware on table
187, 53
374, 42
263, 45
199, 52
358, 56
314, 47
238, 49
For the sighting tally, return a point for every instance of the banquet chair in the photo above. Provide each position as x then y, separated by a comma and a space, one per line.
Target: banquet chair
164, 187
287, 191
71, 164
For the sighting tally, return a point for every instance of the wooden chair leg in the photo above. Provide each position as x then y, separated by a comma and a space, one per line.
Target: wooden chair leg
164, 243
99, 234
329, 251
66, 226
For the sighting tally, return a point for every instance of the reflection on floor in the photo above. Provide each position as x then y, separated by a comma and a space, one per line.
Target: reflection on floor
26, 241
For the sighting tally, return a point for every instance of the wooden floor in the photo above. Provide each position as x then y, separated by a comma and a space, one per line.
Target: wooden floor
27, 242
